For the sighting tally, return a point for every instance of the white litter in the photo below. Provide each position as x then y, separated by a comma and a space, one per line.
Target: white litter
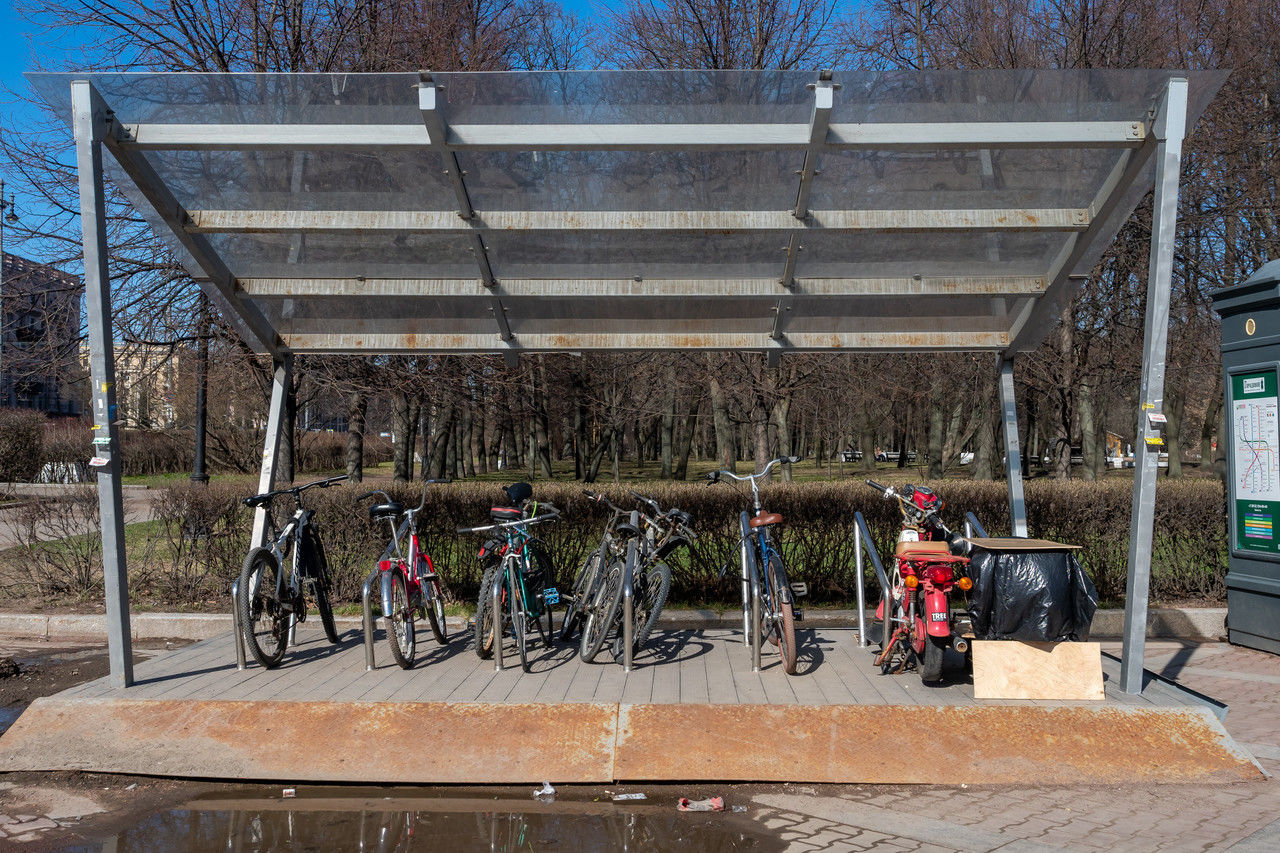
545, 791
620, 797
290, 792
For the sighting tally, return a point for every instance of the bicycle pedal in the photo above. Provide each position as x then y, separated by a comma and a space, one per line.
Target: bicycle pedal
799, 589
428, 576
798, 614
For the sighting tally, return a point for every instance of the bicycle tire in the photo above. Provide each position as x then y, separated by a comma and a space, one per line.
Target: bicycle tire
400, 633
484, 612
582, 586
651, 597
317, 569
435, 611
541, 558
602, 612
264, 624
519, 613
785, 626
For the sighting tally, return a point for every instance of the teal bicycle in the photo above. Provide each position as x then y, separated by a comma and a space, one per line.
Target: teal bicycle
517, 573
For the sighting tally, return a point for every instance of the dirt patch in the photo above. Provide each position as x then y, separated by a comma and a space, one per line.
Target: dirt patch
43, 669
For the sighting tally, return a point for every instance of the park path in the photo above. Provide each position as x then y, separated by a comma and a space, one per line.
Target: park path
137, 507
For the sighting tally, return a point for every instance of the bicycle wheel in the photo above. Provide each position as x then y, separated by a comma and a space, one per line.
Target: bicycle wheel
652, 587
435, 610
783, 615
541, 568
317, 568
264, 623
575, 611
519, 613
484, 612
400, 622
602, 612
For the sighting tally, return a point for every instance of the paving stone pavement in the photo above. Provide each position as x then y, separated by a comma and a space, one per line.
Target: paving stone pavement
1243, 817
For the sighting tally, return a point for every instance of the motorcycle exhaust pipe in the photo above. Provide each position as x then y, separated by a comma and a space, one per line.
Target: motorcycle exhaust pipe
960, 644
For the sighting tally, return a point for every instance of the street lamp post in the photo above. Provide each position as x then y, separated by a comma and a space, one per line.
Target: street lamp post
8, 216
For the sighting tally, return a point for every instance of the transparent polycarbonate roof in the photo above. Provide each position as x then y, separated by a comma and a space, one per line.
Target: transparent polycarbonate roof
767, 210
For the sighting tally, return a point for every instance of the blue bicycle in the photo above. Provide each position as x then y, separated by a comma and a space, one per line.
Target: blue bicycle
777, 621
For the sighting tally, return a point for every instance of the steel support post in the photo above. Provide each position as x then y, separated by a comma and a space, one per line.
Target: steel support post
629, 597
366, 603
282, 375
746, 582
1012, 450
91, 121
862, 594
1171, 125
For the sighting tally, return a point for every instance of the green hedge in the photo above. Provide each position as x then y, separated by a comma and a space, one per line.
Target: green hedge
1189, 552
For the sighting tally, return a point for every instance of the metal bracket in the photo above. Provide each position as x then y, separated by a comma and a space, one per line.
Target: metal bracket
438, 133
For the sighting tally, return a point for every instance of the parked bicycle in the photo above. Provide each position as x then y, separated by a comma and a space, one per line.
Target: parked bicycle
269, 598
410, 584
598, 589
518, 567
777, 621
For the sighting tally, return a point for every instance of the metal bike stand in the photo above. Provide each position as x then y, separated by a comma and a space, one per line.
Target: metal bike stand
863, 534
293, 629
862, 592
238, 636
746, 585
628, 597
972, 525
756, 639
497, 622
365, 593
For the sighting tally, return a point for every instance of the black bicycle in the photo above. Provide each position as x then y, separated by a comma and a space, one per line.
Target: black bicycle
269, 599
661, 533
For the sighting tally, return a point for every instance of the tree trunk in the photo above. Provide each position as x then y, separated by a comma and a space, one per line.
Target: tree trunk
668, 423
541, 429
1175, 405
1210, 427
726, 454
357, 405
288, 456
443, 430
1088, 432
479, 450
402, 438
684, 442
781, 414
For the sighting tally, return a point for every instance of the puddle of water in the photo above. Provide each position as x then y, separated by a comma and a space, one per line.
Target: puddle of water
437, 824
8, 716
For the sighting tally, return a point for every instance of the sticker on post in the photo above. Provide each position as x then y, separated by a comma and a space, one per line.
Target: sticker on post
1155, 441
1156, 418
99, 462
102, 439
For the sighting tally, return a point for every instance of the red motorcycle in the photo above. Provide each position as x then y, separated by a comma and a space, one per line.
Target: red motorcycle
921, 624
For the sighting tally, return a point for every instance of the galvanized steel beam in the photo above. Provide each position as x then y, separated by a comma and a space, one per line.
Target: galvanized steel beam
263, 288
1012, 450
695, 221
217, 280
1171, 127
540, 342
879, 136
90, 117
281, 377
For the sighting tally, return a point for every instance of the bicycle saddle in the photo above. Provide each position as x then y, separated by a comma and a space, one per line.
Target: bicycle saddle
625, 530
765, 519
387, 510
257, 500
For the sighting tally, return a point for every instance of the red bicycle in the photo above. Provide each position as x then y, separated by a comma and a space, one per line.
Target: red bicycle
410, 584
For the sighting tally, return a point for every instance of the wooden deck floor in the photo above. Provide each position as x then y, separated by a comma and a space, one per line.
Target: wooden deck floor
705, 666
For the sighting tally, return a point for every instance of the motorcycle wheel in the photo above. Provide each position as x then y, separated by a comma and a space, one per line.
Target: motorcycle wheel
931, 666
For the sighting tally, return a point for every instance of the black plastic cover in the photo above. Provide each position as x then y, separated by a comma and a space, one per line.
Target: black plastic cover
1041, 596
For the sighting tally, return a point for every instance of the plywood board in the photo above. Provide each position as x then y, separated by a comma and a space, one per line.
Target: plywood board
1010, 669
1017, 543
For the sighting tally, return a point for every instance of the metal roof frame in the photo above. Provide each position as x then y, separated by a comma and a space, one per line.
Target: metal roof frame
989, 301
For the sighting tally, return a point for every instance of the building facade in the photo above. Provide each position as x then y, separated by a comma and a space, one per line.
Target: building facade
40, 337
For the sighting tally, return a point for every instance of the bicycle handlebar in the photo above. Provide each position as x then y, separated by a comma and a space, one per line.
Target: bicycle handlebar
554, 513
296, 491
884, 490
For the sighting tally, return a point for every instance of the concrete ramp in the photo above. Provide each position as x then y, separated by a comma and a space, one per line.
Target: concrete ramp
504, 743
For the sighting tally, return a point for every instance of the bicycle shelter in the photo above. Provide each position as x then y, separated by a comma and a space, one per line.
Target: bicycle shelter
515, 212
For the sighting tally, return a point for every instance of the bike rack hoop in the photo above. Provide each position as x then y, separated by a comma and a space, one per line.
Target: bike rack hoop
238, 635
365, 593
